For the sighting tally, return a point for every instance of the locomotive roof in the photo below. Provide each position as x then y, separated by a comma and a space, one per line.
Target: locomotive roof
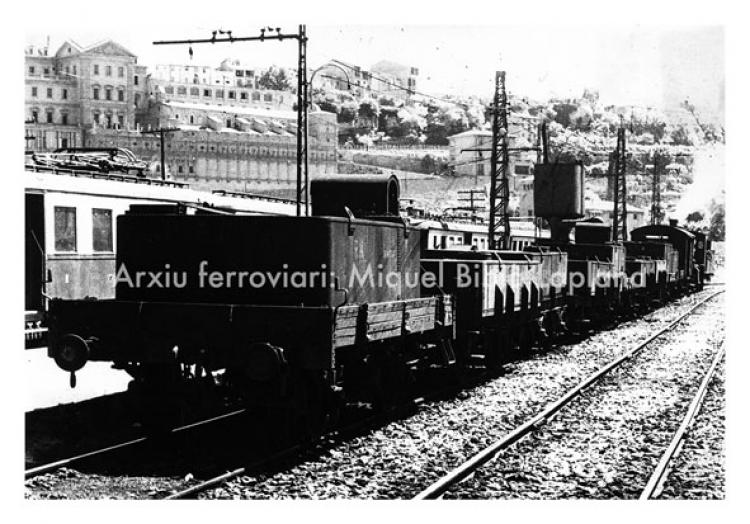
662, 230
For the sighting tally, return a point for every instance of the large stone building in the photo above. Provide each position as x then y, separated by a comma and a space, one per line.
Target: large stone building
228, 134
232, 83
228, 147
78, 88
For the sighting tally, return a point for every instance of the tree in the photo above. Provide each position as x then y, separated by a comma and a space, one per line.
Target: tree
348, 112
276, 79
369, 108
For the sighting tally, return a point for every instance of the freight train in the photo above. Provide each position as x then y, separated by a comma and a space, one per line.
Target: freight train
304, 313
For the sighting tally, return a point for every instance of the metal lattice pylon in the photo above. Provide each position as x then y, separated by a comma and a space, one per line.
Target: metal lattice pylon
620, 211
499, 191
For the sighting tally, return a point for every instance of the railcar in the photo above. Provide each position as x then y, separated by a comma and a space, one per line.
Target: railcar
441, 235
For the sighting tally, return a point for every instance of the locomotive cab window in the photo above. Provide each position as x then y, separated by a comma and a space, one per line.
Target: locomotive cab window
65, 229
102, 232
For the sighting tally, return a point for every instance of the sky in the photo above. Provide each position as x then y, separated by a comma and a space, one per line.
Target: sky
628, 65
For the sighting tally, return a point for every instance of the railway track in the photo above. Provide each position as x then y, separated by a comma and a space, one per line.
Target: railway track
438, 488
658, 477
129, 444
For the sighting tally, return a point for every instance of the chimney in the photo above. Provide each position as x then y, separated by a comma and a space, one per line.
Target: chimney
673, 222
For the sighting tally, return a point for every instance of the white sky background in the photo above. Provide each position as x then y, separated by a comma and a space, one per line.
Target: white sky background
629, 65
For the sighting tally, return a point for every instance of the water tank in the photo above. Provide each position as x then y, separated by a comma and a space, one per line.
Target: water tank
364, 195
558, 190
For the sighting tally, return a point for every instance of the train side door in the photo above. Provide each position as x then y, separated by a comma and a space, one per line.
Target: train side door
35, 259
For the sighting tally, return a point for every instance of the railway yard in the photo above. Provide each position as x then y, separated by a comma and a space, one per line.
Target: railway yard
343, 345
498, 435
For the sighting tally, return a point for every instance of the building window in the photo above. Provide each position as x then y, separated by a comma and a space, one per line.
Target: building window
121, 72
169, 90
46, 70
35, 116
207, 92
243, 95
96, 69
108, 93
229, 122
194, 91
239, 72
121, 121
219, 93
33, 92
231, 94
65, 228
120, 95
49, 92
135, 79
137, 99
109, 121
191, 169
96, 93
268, 97
192, 120
102, 231
108, 70
96, 118
64, 94
256, 95
32, 70
64, 119
50, 117
181, 90
179, 169
75, 69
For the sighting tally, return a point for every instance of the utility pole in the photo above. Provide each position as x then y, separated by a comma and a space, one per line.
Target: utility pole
499, 191
162, 131
480, 196
620, 211
656, 190
302, 90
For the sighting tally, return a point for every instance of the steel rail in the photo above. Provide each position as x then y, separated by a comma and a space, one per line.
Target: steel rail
655, 482
52, 466
462, 471
215, 481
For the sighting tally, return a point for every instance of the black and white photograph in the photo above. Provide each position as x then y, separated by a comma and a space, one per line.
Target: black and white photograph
306, 255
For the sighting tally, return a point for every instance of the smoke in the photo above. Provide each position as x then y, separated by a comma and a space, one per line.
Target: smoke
708, 181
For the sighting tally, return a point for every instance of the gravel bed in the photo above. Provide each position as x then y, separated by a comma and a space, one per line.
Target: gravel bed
66, 483
607, 442
698, 470
403, 457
